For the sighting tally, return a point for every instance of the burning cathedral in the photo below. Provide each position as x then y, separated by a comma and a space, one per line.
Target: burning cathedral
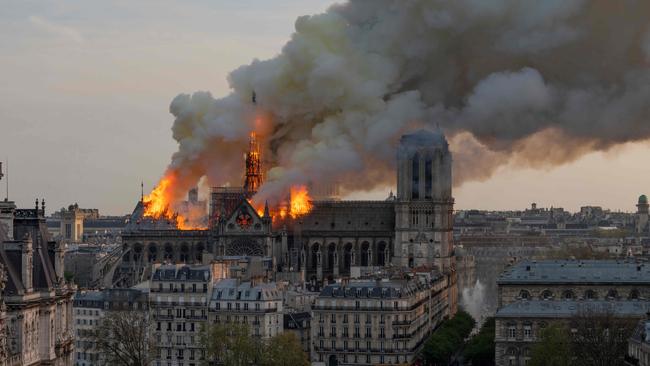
312, 240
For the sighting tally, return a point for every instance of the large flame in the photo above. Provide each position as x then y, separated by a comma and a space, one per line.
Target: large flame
157, 204
300, 201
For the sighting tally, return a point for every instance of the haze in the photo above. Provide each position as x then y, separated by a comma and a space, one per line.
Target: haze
86, 87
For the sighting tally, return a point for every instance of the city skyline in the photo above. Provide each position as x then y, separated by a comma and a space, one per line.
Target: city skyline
100, 80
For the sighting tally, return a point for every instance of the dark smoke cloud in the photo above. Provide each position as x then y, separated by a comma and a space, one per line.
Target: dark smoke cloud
535, 83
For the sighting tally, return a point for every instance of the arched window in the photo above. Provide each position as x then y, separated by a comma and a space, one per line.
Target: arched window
634, 295
547, 295
568, 295
591, 295
524, 295
612, 295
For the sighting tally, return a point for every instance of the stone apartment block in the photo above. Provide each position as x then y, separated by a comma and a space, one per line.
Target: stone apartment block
90, 307
384, 321
259, 305
178, 304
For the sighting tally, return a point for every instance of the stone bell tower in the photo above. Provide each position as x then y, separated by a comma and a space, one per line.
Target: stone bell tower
424, 205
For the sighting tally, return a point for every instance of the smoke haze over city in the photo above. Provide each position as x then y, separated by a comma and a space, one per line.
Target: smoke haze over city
490, 52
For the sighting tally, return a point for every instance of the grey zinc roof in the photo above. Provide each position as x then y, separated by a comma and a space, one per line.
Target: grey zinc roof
229, 289
373, 289
576, 271
181, 273
571, 308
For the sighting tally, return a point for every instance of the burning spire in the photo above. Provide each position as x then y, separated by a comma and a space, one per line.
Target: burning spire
254, 177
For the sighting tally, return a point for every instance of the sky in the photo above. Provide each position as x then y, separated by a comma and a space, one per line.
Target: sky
85, 88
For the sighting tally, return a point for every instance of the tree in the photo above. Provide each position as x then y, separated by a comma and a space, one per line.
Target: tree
554, 348
123, 339
447, 339
231, 344
285, 350
600, 338
480, 349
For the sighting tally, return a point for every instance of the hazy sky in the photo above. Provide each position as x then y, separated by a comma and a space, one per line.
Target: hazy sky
85, 88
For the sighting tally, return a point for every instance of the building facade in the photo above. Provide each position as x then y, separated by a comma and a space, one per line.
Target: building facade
90, 307
383, 321
178, 303
533, 294
258, 305
37, 299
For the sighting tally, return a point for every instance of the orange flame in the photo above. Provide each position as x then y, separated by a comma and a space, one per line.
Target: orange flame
300, 202
157, 203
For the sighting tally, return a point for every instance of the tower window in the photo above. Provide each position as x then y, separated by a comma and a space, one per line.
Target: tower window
415, 188
428, 178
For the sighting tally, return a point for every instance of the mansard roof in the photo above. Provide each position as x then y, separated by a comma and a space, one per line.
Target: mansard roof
29, 224
182, 273
230, 289
576, 271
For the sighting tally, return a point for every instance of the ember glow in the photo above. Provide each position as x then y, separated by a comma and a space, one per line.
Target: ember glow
157, 204
300, 201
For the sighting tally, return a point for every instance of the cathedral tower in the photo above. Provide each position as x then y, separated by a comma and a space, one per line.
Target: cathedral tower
424, 205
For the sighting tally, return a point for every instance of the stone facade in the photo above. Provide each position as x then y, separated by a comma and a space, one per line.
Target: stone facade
179, 298
90, 307
384, 321
259, 305
532, 294
38, 301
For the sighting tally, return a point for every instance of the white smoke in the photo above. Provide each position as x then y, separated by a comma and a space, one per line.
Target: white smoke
524, 81
472, 299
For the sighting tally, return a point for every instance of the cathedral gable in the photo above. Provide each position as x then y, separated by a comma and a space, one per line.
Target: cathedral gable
244, 219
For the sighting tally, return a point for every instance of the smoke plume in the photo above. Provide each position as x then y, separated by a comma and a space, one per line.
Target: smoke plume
534, 83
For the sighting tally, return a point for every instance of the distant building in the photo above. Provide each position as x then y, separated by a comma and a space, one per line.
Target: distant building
72, 224
642, 214
383, 321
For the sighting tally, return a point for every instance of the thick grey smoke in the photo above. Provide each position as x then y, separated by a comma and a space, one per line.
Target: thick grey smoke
510, 81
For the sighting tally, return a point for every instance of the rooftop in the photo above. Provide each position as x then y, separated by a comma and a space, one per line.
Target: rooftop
576, 271
232, 289
182, 273
571, 308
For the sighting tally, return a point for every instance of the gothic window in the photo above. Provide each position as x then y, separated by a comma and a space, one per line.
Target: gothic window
365, 250
185, 256
590, 295
244, 247
347, 260
153, 252
524, 295
547, 295
381, 253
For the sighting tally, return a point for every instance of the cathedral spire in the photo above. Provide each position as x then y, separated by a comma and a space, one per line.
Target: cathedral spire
266, 209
